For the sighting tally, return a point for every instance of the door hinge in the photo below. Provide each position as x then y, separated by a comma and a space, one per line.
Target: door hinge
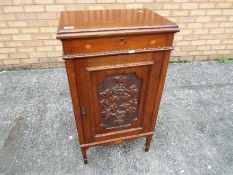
83, 112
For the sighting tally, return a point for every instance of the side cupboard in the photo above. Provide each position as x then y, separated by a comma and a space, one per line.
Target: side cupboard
116, 63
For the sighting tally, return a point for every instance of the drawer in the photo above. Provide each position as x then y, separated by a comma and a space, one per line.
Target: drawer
114, 43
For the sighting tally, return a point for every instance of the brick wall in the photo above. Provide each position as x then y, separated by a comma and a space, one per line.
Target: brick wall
28, 27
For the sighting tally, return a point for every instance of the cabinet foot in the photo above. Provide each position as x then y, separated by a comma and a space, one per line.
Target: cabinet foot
84, 153
148, 142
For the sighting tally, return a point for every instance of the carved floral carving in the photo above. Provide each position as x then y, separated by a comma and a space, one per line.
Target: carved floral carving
119, 96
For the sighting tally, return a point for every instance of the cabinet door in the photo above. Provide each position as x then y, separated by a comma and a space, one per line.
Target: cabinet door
117, 94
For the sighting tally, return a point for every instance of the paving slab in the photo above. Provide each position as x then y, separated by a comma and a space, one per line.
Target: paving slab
194, 134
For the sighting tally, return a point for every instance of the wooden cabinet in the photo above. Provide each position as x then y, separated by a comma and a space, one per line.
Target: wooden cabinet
116, 62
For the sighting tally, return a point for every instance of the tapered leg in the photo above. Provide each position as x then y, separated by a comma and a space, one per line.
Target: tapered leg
148, 142
84, 153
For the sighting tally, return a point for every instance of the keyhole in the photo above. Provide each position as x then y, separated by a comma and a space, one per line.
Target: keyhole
122, 40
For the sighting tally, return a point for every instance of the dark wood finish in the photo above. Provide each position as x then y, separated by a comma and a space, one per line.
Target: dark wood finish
93, 45
116, 62
112, 22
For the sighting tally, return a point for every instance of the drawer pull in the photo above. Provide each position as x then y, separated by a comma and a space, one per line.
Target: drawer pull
122, 40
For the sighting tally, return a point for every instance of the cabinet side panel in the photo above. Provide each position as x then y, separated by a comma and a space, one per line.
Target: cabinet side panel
160, 89
153, 88
75, 99
162, 76
83, 85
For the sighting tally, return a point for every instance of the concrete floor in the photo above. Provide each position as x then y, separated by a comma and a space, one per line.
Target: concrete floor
194, 133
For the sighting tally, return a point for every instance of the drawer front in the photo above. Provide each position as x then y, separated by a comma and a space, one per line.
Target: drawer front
113, 93
114, 43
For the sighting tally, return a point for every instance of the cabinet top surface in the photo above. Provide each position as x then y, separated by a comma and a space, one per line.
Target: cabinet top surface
107, 22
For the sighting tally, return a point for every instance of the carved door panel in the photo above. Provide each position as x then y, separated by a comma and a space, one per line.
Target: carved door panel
118, 96
114, 92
